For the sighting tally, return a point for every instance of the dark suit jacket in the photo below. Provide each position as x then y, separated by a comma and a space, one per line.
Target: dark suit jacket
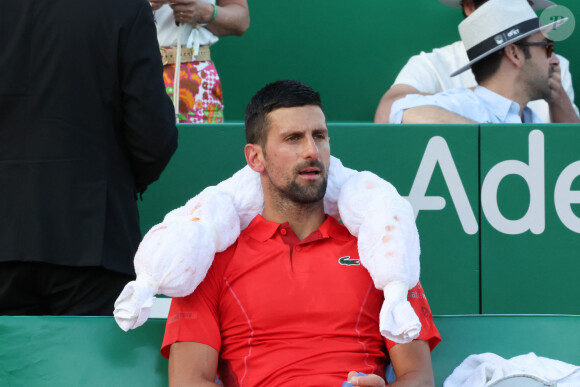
85, 124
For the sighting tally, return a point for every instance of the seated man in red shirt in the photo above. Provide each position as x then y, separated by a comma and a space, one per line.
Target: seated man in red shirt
289, 304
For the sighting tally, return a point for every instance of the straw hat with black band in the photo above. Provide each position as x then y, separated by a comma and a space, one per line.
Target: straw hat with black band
536, 4
497, 24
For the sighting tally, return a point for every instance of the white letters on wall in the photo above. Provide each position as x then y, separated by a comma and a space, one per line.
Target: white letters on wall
438, 152
533, 174
563, 196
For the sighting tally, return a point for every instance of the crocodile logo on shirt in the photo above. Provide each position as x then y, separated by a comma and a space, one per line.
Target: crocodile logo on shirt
347, 261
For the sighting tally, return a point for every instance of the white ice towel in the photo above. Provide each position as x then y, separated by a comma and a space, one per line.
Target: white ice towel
174, 256
487, 368
388, 246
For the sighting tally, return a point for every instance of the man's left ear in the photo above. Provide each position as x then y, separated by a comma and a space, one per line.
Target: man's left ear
514, 54
255, 157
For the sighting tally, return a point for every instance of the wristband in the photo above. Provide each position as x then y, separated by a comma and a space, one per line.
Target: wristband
214, 13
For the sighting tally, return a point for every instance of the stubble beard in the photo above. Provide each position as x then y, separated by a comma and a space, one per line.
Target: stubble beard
306, 195
540, 87
300, 194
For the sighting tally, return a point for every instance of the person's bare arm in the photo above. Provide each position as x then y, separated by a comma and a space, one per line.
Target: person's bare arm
429, 114
412, 364
233, 16
561, 108
192, 364
394, 93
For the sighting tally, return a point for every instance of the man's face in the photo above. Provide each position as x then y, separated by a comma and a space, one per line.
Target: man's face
538, 69
297, 154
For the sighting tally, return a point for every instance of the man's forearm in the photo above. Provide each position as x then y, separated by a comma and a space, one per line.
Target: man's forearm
412, 364
395, 93
192, 364
414, 379
560, 103
429, 114
563, 112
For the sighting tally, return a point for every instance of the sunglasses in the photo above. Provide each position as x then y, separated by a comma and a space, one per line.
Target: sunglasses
549, 46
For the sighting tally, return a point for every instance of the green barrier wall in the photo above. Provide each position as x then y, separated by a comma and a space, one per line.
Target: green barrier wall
94, 352
530, 251
80, 351
349, 51
470, 264
554, 337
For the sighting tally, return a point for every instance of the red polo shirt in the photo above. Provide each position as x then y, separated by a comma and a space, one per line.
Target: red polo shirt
284, 312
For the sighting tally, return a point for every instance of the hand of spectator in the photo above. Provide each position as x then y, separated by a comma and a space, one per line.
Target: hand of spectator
368, 380
192, 11
555, 83
561, 108
233, 17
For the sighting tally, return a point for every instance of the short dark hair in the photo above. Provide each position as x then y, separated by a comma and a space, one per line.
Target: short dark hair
485, 68
525, 49
275, 95
489, 65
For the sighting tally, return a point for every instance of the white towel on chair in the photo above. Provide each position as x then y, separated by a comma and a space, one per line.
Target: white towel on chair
488, 368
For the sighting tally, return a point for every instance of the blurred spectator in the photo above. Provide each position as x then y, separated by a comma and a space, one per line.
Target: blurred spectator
85, 125
429, 73
512, 61
202, 21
